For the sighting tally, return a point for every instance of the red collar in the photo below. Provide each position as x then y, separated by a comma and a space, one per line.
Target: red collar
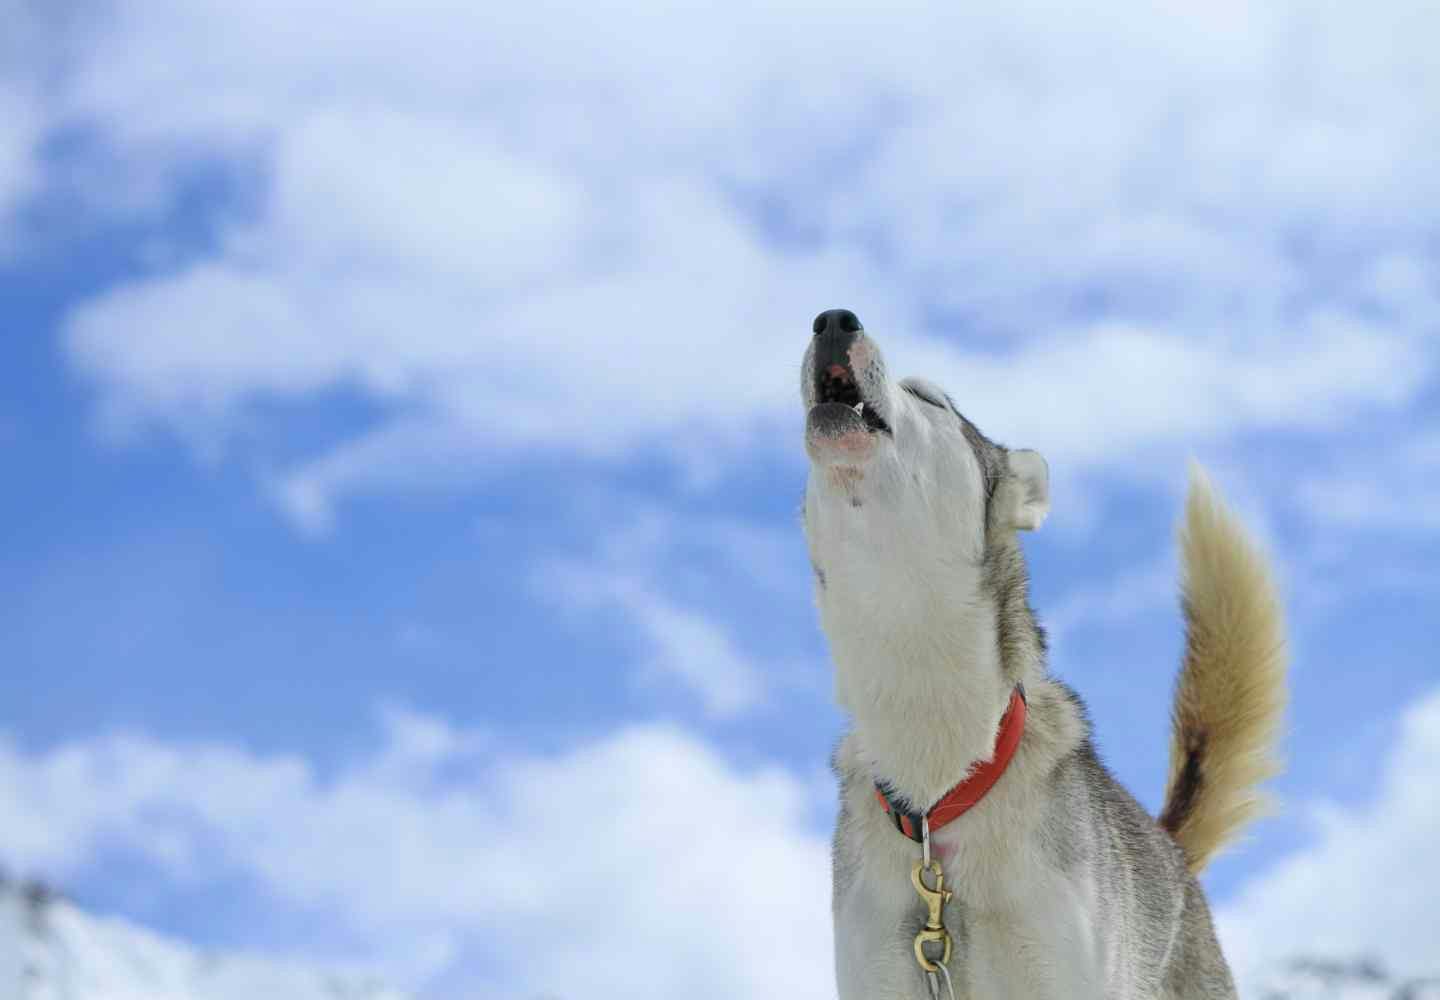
959, 800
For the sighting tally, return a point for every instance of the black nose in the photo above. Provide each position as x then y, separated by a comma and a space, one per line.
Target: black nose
836, 331
837, 321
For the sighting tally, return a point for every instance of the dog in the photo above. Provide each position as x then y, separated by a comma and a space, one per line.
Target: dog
1046, 879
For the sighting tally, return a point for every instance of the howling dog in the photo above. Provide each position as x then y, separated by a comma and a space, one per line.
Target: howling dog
982, 849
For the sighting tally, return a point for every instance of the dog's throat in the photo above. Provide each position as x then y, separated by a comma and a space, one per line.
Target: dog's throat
964, 796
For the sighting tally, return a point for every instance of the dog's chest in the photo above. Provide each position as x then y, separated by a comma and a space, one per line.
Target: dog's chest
1020, 927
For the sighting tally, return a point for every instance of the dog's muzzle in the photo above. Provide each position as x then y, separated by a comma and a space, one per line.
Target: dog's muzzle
842, 424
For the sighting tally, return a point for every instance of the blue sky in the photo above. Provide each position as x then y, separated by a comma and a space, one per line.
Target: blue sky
400, 426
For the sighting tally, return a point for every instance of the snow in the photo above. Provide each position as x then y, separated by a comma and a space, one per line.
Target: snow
1357, 979
51, 949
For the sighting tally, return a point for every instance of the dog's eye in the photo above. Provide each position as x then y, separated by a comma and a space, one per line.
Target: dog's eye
925, 392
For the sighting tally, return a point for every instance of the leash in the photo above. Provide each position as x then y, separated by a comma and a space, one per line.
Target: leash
934, 932
935, 984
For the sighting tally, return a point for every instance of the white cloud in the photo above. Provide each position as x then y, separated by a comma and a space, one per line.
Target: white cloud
23, 118
1405, 504
20, 123
1367, 886
62, 953
1121, 598
642, 859
648, 568
698, 651
1400, 489
682, 644
1104, 394
534, 227
640, 864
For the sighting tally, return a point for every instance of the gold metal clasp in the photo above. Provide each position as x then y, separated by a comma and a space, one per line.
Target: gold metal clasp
934, 931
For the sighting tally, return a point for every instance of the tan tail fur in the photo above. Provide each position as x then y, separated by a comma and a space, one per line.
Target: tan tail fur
1230, 697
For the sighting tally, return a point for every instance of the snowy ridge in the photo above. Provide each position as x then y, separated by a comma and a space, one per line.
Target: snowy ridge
50, 949
1320, 979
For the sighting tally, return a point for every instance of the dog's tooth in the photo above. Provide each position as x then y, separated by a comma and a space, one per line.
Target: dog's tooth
860, 407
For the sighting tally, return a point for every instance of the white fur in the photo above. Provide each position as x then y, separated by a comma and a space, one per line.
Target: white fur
1063, 885
1035, 931
1032, 497
900, 540
910, 630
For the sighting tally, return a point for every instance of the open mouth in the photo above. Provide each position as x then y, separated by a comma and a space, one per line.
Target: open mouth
836, 389
845, 424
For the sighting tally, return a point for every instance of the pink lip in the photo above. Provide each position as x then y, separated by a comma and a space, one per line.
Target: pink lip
851, 446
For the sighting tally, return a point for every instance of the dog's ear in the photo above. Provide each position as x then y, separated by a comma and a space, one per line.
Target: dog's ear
1027, 494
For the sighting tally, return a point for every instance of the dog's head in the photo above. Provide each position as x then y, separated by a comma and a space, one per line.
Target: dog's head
902, 487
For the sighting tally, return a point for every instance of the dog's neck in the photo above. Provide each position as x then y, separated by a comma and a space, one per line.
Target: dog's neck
922, 677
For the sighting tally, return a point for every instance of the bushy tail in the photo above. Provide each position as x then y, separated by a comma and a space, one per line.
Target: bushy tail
1230, 697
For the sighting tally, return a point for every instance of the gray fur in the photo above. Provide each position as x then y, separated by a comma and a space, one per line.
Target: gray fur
1092, 824
1075, 827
